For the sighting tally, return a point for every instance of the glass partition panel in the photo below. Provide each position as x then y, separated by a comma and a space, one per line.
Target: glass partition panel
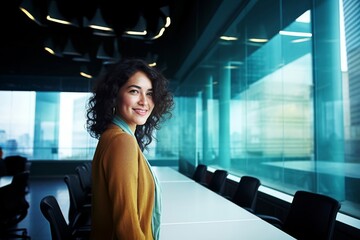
275, 102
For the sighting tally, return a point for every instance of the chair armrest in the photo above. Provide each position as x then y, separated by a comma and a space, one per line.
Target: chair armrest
228, 198
82, 232
83, 218
272, 220
249, 209
231, 200
86, 207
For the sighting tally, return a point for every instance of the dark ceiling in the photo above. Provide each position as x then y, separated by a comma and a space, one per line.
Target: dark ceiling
22, 40
196, 26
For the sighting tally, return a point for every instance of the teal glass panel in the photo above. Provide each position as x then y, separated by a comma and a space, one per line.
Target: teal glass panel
274, 102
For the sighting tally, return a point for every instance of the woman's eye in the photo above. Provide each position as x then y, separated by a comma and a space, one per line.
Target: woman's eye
150, 94
134, 91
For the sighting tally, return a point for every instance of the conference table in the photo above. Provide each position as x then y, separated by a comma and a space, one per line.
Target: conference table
192, 211
5, 180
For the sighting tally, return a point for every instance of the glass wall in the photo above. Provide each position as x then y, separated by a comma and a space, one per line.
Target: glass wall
52, 126
45, 125
273, 101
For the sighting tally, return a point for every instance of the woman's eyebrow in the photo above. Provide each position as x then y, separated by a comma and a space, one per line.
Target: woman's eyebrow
134, 86
138, 87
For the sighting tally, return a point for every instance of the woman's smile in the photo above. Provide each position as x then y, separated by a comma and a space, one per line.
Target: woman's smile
135, 102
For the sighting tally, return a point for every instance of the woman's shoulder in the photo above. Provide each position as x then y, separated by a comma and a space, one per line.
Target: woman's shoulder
116, 135
118, 143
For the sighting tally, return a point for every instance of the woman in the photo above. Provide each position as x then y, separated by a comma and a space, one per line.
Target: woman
128, 103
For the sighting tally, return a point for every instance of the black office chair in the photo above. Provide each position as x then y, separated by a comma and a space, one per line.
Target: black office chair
311, 216
87, 165
14, 165
246, 193
217, 182
85, 178
14, 207
200, 173
60, 230
80, 203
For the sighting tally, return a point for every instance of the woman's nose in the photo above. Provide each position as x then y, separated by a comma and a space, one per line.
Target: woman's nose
143, 99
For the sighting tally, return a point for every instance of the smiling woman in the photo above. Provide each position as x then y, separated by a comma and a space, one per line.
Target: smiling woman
128, 103
135, 102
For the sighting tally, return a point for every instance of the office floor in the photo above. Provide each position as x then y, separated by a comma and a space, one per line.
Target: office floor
36, 224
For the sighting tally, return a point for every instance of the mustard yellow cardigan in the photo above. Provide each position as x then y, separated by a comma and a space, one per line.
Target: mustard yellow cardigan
122, 189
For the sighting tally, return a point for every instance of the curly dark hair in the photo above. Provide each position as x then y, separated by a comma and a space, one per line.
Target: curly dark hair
101, 103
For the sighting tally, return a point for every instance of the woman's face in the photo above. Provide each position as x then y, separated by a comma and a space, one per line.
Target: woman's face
135, 102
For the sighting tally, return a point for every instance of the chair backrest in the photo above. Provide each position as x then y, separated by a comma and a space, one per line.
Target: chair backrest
50, 208
77, 196
246, 193
311, 216
13, 203
200, 173
14, 165
20, 182
88, 165
85, 177
218, 180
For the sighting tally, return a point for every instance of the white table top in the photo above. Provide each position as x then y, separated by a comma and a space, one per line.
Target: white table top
185, 202
191, 211
5, 180
168, 174
232, 230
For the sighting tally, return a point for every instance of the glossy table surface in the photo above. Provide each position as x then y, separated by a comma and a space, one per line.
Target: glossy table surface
191, 211
168, 174
5, 180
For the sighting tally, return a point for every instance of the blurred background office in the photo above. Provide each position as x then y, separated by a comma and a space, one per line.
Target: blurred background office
267, 88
